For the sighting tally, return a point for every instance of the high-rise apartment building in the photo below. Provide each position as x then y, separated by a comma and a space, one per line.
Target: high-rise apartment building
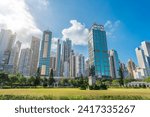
35, 45
131, 67
44, 61
66, 49
7, 39
114, 64
25, 62
98, 51
14, 57
80, 65
58, 59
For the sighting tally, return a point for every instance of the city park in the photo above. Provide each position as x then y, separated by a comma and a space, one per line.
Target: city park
14, 87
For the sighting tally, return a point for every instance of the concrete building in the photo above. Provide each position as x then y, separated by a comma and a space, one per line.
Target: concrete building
14, 57
7, 39
35, 46
114, 64
131, 67
25, 62
66, 49
80, 65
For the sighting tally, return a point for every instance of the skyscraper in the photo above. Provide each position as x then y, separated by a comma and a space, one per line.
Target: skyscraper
35, 45
66, 49
7, 39
72, 65
114, 64
142, 61
14, 57
146, 48
131, 67
80, 66
25, 62
44, 62
58, 59
98, 51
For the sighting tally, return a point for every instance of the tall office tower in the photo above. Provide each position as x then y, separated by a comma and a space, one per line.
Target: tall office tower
146, 48
7, 39
131, 67
58, 59
72, 65
44, 62
14, 57
114, 64
66, 49
98, 51
35, 45
80, 65
142, 61
25, 62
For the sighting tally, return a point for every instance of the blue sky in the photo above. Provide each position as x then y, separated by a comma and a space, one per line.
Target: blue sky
126, 22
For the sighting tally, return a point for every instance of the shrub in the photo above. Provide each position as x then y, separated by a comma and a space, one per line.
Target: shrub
83, 87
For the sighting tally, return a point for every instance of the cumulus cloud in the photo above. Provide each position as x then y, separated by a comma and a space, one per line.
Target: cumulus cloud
111, 28
76, 32
15, 15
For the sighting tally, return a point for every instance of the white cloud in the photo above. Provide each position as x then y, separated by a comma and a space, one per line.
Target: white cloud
15, 15
76, 32
111, 28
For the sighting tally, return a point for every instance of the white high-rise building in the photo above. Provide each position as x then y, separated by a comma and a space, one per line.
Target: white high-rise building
35, 46
72, 65
142, 61
7, 39
80, 65
14, 57
25, 62
114, 64
146, 48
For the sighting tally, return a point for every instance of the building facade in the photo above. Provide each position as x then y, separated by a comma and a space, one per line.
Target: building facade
24, 66
114, 64
35, 45
44, 60
58, 59
98, 51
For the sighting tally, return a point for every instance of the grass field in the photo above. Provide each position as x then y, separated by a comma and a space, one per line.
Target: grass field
75, 93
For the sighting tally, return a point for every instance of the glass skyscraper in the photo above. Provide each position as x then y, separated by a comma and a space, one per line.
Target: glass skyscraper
44, 62
98, 51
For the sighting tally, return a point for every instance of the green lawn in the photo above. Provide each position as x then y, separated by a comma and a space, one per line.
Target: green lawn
75, 93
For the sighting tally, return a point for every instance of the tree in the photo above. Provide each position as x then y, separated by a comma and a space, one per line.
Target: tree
121, 81
51, 78
37, 78
13, 79
147, 80
31, 81
3, 79
45, 80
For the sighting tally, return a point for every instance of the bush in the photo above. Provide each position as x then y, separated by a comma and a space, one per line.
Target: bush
83, 87
103, 87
